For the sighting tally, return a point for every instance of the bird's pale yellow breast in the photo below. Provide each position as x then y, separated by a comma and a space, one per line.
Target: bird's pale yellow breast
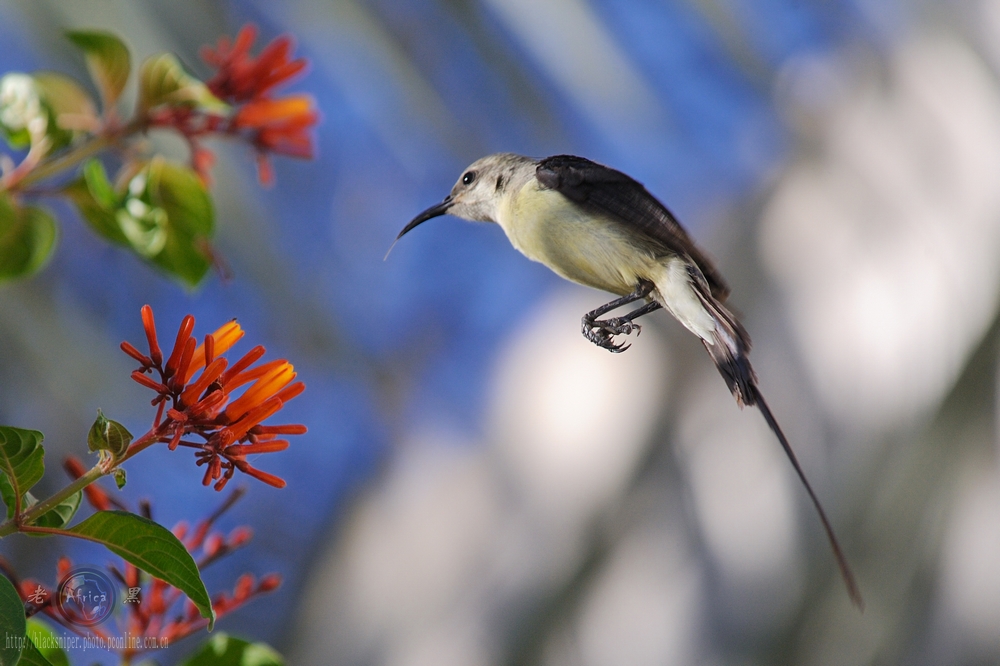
550, 229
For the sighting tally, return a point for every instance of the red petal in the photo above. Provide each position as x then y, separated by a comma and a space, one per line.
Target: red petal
149, 325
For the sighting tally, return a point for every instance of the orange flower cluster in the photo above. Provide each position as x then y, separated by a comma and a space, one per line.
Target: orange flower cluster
153, 615
241, 77
272, 125
205, 406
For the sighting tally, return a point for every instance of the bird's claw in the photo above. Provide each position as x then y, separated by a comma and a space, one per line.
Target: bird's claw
602, 331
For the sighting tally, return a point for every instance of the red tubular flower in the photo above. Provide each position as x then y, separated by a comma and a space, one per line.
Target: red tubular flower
136, 354
270, 446
239, 537
269, 582
195, 398
183, 333
272, 125
213, 544
150, 327
240, 76
244, 587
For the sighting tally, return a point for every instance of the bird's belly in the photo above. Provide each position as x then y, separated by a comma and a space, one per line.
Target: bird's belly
547, 228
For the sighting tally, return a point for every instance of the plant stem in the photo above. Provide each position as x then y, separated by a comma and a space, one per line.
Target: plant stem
31, 529
11, 526
144, 442
52, 167
20, 523
74, 156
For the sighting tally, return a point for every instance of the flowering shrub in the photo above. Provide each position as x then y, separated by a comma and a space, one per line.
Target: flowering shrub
156, 614
201, 403
67, 143
159, 209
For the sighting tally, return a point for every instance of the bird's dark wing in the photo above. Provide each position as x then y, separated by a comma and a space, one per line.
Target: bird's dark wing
614, 194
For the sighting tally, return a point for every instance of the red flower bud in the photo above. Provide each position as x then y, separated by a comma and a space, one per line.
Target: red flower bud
149, 326
269, 582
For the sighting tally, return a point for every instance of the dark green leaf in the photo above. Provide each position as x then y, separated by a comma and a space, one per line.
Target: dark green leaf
118, 437
97, 202
179, 192
46, 641
163, 80
185, 259
60, 515
99, 186
164, 214
153, 549
32, 656
108, 60
97, 437
119, 477
27, 238
12, 623
108, 435
225, 650
21, 462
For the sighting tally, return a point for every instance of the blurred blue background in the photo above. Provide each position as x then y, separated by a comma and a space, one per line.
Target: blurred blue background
479, 485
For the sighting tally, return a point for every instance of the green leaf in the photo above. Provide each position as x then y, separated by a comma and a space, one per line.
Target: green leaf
70, 107
152, 548
27, 238
60, 515
107, 59
225, 650
119, 477
97, 437
32, 656
177, 190
12, 623
99, 185
47, 643
163, 80
108, 435
144, 227
21, 462
97, 201
163, 213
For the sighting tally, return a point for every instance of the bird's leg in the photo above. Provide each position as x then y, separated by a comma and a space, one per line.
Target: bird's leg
602, 331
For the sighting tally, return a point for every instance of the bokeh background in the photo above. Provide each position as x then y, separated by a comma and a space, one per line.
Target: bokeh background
479, 484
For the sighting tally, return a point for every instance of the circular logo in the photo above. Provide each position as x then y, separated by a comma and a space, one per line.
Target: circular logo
86, 597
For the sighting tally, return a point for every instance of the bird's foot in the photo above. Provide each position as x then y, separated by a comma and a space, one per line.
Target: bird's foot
602, 331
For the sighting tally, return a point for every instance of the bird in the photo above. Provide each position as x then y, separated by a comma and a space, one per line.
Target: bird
596, 226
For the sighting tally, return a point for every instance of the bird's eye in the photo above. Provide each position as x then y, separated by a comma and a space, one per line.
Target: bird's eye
468, 178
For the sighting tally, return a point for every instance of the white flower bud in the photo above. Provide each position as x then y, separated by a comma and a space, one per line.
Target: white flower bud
21, 106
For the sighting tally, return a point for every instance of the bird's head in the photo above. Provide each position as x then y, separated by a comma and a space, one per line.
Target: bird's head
480, 189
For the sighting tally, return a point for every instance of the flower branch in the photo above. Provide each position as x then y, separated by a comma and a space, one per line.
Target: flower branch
160, 210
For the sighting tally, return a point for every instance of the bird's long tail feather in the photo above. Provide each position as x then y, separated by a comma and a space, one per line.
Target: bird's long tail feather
729, 349
845, 570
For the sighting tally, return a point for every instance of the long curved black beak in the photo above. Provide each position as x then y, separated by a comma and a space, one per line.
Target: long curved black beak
434, 211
